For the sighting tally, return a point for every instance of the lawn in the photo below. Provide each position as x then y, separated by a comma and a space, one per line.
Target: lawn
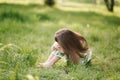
27, 33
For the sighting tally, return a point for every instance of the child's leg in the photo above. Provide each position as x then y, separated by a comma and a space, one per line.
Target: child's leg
50, 56
51, 62
52, 59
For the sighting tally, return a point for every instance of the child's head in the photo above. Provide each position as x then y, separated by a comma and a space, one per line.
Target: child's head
73, 44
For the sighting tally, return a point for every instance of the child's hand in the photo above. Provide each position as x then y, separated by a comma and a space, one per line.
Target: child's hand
56, 46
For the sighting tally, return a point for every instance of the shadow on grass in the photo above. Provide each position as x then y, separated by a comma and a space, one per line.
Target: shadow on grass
13, 16
92, 17
17, 12
43, 17
54, 13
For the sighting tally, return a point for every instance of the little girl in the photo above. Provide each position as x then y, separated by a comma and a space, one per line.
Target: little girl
70, 46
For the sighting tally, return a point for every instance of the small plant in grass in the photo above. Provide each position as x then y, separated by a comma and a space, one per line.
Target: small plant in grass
43, 17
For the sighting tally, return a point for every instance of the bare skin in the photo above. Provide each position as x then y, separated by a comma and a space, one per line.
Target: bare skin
52, 59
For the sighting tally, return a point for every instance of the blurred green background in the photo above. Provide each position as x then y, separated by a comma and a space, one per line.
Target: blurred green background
27, 30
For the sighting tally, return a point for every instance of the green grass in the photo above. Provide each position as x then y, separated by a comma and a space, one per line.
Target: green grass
27, 33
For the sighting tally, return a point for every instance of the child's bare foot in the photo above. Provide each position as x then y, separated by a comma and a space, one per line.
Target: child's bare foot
44, 65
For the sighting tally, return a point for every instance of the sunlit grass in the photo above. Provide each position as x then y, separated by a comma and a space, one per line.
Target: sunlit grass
76, 7
25, 43
25, 2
